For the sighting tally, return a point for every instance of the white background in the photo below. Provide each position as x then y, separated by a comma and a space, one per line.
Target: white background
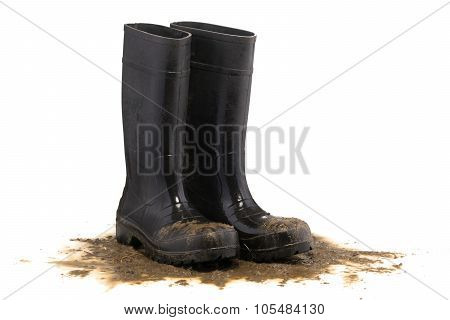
378, 148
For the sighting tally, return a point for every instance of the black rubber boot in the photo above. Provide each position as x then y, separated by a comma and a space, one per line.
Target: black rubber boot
153, 210
219, 93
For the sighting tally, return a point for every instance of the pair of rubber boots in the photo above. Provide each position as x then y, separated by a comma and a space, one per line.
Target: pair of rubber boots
185, 101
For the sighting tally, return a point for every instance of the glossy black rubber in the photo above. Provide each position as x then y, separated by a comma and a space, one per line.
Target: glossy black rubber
153, 210
219, 94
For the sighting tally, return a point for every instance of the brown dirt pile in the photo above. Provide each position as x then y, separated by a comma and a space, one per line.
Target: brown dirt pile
113, 264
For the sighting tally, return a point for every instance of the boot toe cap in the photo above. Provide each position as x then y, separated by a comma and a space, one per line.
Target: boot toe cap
197, 236
277, 237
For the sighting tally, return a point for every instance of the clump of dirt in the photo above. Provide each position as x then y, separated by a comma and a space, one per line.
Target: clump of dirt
192, 228
113, 264
283, 223
181, 283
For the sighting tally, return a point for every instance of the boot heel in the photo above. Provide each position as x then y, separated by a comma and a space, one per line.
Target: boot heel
123, 236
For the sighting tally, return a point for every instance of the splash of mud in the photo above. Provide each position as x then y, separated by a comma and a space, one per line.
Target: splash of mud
113, 264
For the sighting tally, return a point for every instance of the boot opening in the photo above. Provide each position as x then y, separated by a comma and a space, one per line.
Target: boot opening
159, 31
214, 28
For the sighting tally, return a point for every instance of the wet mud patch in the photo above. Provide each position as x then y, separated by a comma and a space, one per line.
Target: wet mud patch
113, 264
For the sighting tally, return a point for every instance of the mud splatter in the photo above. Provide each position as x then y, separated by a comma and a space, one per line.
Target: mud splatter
24, 261
351, 278
79, 273
113, 264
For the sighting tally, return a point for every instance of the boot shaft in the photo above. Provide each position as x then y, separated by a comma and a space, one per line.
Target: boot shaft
155, 80
219, 95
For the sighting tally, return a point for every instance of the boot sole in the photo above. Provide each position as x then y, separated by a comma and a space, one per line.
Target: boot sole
128, 235
268, 255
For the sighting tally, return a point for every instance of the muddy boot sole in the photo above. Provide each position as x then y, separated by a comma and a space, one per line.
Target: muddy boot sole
127, 235
273, 254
